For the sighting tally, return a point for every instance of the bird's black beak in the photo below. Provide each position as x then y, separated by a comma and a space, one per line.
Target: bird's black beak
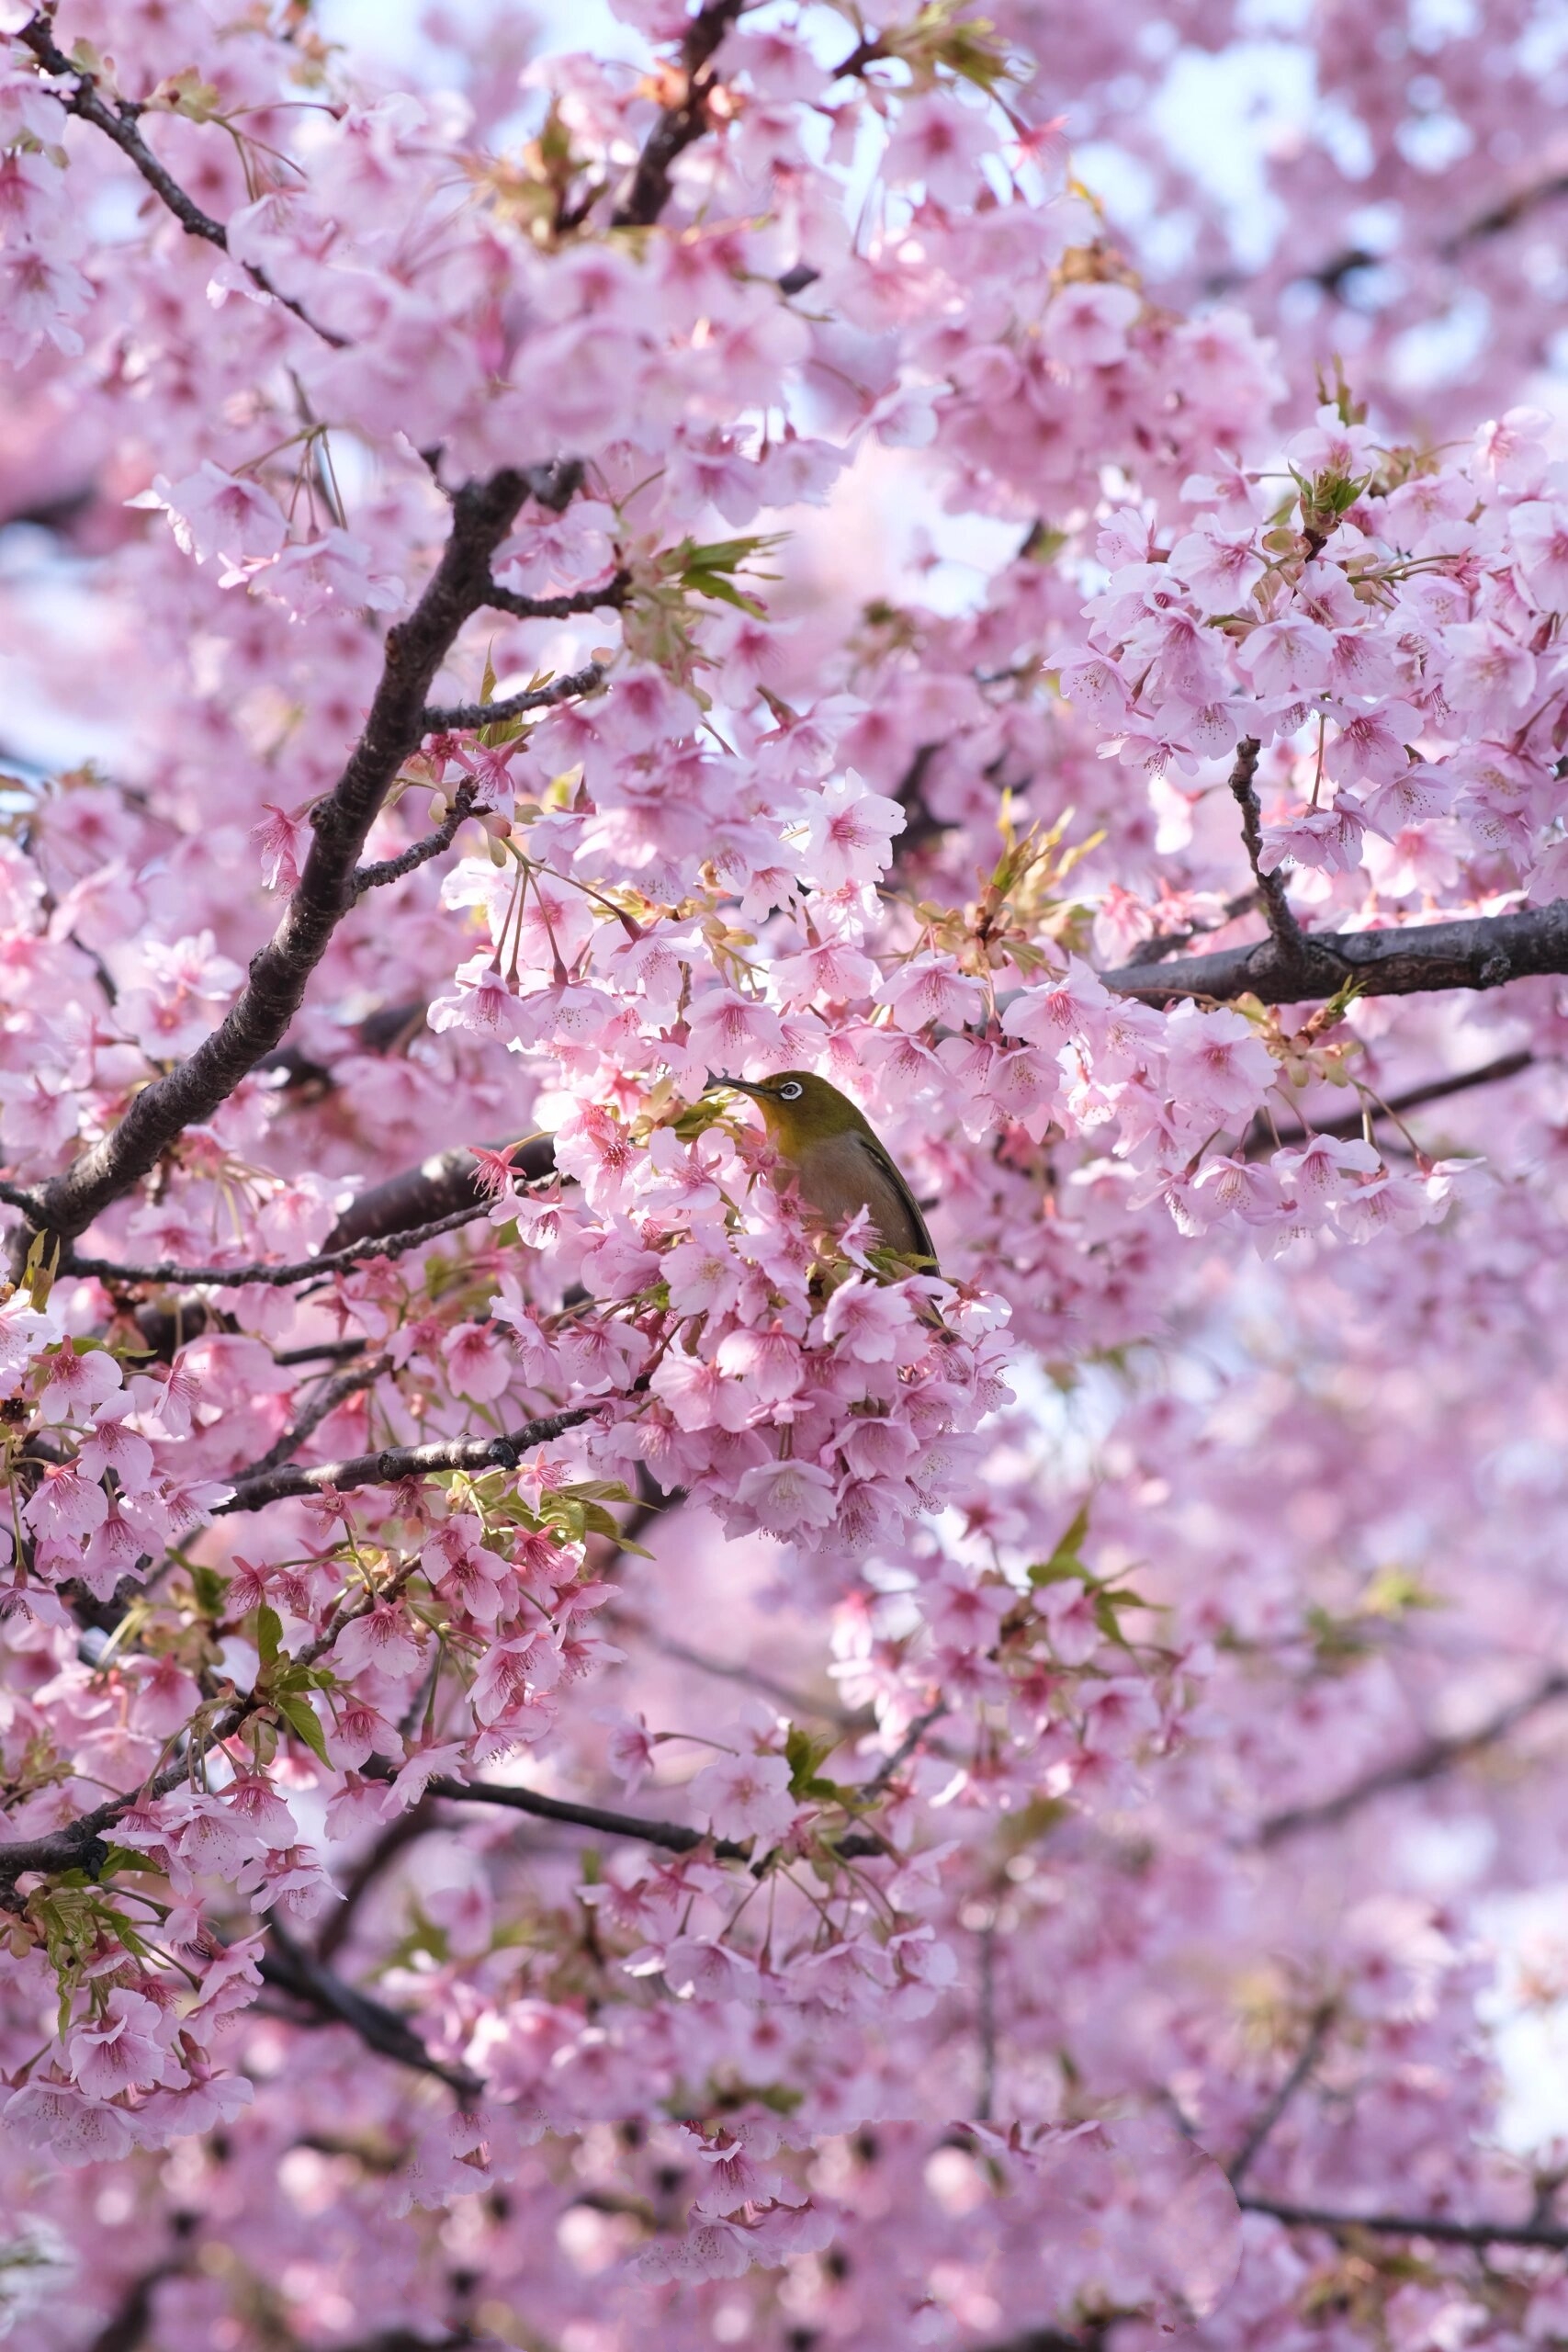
741, 1085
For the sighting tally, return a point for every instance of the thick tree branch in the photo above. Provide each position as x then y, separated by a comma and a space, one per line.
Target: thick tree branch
1427, 1763
118, 122
680, 123
395, 1463
1441, 2227
1407, 959
126, 2331
483, 513
289, 1968
303, 1269
456, 717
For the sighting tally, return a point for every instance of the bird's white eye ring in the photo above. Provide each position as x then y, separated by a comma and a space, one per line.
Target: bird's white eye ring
791, 1091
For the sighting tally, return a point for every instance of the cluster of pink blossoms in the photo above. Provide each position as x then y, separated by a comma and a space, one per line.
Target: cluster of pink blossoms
585, 1762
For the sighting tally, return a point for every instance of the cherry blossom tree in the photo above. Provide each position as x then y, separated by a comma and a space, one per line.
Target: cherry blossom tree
587, 1762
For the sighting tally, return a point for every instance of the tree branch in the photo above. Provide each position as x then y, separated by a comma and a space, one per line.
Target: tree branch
1436, 1090
290, 1969
332, 1394
330, 1261
1407, 959
1274, 2107
1285, 931
1440, 2227
673, 1835
679, 124
80, 1845
1170, 942
437, 1189
395, 1463
560, 608
118, 123
483, 513
409, 861
1427, 1763
883, 1778
125, 2330
401, 1831
799, 1703
1497, 218
458, 717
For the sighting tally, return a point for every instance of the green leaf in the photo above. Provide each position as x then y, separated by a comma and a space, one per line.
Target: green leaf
303, 1720
1105, 1618
124, 1858
269, 1635
1064, 1561
209, 1589
804, 1754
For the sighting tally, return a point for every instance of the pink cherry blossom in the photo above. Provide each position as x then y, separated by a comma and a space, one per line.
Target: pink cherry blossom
744, 1796
579, 1760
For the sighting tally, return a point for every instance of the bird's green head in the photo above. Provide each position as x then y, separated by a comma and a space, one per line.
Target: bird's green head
797, 1107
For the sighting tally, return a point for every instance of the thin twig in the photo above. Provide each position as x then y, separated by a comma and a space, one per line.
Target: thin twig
80, 1845
1274, 2107
401, 1831
1440, 2227
800, 1703
395, 1463
392, 869
1285, 931
331, 1395
118, 123
560, 609
1436, 1090
460, 716
331, 1262
1427, 1763
882, 1779
439, 1186
1170, 942
674, 1836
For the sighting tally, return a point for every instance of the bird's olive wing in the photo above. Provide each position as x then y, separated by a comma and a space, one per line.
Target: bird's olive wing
894, 1175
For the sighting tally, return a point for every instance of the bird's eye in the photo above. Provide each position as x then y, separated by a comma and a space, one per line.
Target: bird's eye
791, 1091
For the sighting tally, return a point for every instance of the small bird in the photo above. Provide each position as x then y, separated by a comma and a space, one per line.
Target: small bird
838, 1160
